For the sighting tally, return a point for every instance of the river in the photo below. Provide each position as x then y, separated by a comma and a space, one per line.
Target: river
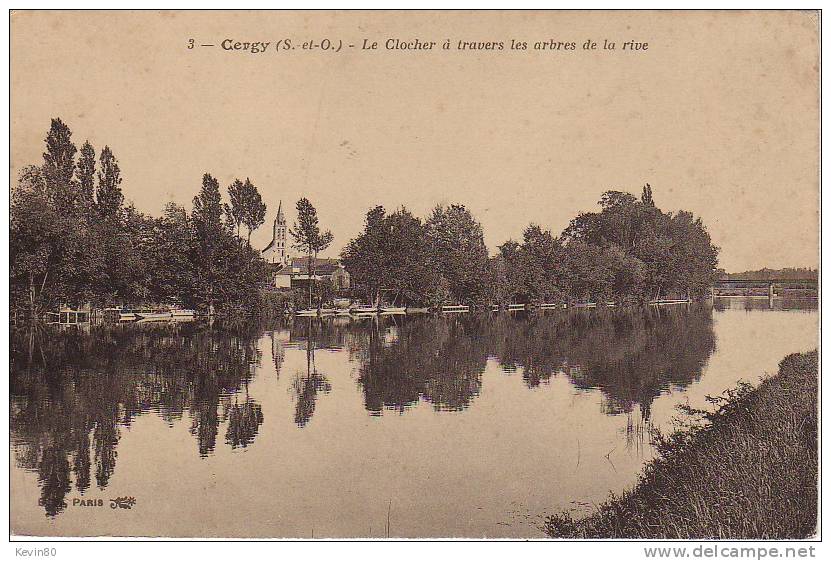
461, 426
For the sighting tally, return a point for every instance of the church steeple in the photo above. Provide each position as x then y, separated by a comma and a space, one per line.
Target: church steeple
276, 250
280, 218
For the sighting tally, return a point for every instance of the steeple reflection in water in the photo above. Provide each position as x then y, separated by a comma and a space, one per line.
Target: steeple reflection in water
72, 393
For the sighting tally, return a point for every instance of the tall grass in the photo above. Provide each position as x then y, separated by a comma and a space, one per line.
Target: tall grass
748, 471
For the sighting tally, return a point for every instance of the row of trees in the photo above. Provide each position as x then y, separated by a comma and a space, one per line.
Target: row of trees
629, 251
73, 239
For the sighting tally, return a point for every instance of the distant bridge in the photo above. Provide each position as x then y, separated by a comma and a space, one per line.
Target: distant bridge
765, 281
769, 285
742, 283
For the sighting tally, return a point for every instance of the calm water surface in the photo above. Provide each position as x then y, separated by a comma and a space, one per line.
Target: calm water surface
465, 426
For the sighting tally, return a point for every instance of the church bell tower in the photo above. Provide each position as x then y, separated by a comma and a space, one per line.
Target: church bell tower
276, 250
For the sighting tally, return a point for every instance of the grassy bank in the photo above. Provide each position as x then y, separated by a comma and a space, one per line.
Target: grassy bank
750, 471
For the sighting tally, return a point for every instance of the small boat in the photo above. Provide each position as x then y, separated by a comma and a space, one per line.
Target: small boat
362, 317
389, 310
305, 313
119, 314
153, 316
418, 310
364, 310
181, 313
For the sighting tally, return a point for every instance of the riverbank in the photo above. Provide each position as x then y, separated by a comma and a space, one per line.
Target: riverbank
750, 472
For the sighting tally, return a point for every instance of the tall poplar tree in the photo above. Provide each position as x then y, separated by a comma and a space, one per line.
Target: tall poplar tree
236, 210
59, 165
85, 174
646, 196
208, 231
109, 197
254, 208
308, 238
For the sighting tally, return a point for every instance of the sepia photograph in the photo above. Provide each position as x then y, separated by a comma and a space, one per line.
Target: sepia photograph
415, 275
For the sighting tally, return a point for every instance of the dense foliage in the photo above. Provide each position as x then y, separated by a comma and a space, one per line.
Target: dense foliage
656, 253
629, 251
73, 240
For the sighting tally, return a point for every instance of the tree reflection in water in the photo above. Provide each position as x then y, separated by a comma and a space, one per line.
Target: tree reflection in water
440, 360
71, 391
307, 385
631, 356
244, 420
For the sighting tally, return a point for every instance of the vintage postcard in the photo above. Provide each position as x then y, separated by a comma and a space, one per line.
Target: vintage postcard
414, 274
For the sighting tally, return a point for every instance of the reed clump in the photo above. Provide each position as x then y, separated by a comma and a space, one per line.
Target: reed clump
746, 471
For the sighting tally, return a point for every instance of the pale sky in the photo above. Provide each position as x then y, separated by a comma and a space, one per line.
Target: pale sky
720, 115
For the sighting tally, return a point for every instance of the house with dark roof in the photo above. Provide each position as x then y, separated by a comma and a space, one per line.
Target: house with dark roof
295, 274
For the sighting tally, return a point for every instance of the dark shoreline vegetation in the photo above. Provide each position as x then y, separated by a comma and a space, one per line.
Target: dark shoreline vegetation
749, 471
74, 240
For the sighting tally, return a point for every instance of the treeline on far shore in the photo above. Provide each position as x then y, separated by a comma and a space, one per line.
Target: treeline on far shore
74, 240
629, 252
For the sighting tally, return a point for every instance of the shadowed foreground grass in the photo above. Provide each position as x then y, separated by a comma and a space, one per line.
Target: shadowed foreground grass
750, 471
